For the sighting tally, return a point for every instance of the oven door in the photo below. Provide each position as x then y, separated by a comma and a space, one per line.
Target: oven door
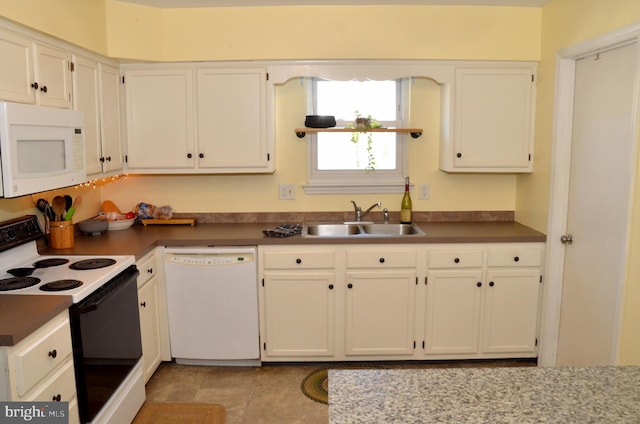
105, 330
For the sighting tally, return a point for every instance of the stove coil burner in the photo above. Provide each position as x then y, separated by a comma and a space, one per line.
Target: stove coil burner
46, 263
61, 285
92, 263
16, 283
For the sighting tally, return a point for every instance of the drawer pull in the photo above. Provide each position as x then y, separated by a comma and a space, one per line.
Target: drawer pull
150, 270
298, 261
381, 260
330, 286
53, 353
456, 260
350, 286
479, 284
491, 284
516, 259
143, 304
57, 398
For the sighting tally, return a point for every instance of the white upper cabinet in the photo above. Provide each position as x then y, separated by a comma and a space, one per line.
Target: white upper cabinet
231, 119
215, 124
34, 72
159, 110
96, 92
491, 113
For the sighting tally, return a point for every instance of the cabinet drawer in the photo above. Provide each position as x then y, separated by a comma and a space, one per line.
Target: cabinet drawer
514, 257
382, 259
41, 352
455, 259
148, 267
299, 260
61, 386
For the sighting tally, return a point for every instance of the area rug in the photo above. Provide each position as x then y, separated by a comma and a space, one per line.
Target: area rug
180, 413
315, 386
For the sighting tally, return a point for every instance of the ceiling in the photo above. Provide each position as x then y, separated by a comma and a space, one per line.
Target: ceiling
239, 3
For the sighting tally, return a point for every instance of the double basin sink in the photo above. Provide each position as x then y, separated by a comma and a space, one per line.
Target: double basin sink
361, 229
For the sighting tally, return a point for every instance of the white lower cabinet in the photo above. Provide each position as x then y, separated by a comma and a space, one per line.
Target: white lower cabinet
297, 303
400, 302
152, 310
40, 367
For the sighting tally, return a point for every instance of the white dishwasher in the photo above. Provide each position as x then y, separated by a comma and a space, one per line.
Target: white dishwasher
212, 297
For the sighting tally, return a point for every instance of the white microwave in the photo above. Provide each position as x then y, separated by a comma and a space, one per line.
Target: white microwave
41, 148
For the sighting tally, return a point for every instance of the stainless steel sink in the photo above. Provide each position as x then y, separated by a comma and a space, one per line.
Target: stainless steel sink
392, 229
331, 230
364, 229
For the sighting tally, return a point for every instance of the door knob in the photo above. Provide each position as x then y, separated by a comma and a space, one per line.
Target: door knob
566, 239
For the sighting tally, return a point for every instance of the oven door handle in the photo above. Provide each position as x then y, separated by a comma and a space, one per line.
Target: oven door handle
111, 288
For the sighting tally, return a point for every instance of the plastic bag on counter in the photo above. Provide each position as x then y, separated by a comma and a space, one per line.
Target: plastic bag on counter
149, 211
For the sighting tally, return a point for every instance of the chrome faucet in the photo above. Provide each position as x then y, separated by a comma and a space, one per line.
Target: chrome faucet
358, 210
385, 212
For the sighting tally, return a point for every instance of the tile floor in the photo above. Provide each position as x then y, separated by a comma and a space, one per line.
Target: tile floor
263, 395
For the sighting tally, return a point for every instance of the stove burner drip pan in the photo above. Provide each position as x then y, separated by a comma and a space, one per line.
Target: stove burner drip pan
46, 263
61, 285
92, 263
16, 283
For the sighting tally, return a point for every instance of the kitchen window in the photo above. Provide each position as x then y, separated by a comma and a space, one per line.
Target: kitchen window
357, 162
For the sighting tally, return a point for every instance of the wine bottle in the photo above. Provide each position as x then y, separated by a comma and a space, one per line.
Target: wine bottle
405, 206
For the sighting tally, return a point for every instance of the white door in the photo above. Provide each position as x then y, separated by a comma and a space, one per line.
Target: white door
598, 206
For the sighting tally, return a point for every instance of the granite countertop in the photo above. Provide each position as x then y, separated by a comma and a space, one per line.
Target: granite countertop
485, 395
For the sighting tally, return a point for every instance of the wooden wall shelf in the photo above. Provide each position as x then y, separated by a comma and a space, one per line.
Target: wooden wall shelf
415, 132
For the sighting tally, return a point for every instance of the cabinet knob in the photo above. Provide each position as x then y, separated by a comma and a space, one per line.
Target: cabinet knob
458, 155
34, 85
479, 284
43, 88
201, 155
516, 259
381, 260
491, 284
108, 158
102, 159
189, 155
143, 304
298, 261
330, 286
57, 398
53, 353
150, 270
456, 260
350, 286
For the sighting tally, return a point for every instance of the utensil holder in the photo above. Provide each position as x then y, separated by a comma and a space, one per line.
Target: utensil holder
61, 234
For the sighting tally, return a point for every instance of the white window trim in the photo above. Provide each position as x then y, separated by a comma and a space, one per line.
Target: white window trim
359, 182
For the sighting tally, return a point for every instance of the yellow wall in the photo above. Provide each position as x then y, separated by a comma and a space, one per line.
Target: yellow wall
566, 23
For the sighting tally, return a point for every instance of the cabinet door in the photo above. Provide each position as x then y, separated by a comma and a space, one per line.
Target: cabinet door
493, 114
380, 312
453, 308
511, 311
149, 328
231, 120
85, 99
53, 75
16, 72
299, 314
110, 118
159, 119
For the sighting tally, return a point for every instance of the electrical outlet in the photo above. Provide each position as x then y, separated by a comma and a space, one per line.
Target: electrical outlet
425, 191
286, 191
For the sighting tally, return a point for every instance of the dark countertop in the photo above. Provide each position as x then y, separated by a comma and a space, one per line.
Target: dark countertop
139, 240
21, 315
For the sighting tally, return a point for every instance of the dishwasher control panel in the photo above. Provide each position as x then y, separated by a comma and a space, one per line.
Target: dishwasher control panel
208, 259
